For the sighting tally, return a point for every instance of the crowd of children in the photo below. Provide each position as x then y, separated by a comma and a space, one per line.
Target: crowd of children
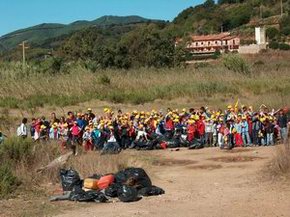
237, 126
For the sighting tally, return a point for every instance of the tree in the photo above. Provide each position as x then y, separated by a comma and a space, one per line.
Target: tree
272, 33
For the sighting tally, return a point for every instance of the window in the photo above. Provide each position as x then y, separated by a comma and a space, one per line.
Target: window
196, 43
234, 42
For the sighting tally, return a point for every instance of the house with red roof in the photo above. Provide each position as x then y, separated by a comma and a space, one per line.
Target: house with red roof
207, 44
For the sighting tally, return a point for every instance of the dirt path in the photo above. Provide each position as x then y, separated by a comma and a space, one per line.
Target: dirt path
205, 183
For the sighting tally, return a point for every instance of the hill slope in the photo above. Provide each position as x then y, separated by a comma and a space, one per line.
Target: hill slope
40, 33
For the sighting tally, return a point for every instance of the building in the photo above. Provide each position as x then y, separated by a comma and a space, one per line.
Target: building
260, 35
207, 44
260, 42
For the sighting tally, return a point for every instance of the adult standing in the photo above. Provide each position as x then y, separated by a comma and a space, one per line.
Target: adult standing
282, 123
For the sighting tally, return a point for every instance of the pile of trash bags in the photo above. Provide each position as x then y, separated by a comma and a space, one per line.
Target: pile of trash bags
167, 141
127, 185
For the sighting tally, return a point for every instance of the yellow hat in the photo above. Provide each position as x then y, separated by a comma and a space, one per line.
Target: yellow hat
65, 125
191, 121
43, 127
230, 107
89, 109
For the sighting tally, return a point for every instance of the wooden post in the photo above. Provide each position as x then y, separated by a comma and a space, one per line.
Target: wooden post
23, 55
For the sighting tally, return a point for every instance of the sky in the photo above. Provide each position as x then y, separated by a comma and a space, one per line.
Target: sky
17, 14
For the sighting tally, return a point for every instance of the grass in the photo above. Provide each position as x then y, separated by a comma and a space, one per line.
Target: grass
213, 81
20, 159
280, 165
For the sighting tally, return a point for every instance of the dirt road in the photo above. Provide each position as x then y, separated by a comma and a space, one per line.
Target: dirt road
205, 183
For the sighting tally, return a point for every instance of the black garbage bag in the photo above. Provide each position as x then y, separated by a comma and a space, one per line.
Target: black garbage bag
128, 194
111, 148
151, 191
136, 177
78, 194
112, 190
69, 179
173, 143
183, 141
196, 144
95, 176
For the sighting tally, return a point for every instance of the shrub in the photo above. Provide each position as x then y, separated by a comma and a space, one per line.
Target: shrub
284, 46
259, 63
274, 45
16, 150
8, 181
236, 63
105, 80
91, 65
280, 164
286, 31
272, 32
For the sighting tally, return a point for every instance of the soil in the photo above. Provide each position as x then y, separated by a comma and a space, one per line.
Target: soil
201, 183
197, 185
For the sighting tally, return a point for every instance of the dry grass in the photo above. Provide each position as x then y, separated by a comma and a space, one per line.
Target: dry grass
269, 83
94, 163
280, 165
86, 164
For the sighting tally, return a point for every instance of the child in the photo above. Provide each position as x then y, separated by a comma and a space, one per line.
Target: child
54, 131
75, 131
64, 136
87, 140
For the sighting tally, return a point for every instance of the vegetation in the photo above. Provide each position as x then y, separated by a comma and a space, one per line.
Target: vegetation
20, 159
125, 42
45, 33
234, 76
280, 165
236, 63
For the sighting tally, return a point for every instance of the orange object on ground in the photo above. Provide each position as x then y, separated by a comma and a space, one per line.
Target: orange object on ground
105, 181
91, 184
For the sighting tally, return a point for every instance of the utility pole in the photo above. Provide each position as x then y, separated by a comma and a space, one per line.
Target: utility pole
23, 55
261, 11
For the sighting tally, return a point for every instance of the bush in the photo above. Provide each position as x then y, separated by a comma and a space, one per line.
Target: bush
280, 164
284, 46
105, 80
16, 150
286, 31
236, 63
274, 45
272, 32
8, 182
259, 63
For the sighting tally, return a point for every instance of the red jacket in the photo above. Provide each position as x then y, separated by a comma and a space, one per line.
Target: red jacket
200, 127
169, 125
190, 132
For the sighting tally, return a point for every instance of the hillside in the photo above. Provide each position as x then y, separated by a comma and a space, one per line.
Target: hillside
38, 34
134, 41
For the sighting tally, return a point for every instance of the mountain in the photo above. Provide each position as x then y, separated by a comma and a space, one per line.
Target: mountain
39, 34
